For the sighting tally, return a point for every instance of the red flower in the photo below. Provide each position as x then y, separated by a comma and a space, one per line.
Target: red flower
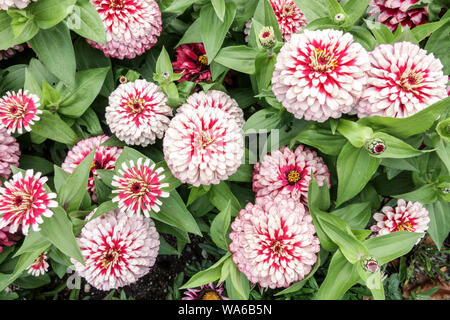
191, 58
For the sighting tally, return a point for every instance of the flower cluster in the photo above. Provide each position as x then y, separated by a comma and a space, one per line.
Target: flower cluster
117, 249
132, 26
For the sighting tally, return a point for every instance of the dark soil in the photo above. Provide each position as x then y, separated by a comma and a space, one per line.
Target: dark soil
154, 285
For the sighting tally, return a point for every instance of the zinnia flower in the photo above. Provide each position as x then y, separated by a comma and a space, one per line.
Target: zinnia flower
138, 113
18, 4
8, 239
392, 12
206, 292
23, 201
273, 242
104, 158
132, 26
402, 81
39, 266
203, 145
289, 172
117, 249
19, 111
8, 53
215, 99
139, 187
192, 61
411, 216
290, 19
9, 153
320, 74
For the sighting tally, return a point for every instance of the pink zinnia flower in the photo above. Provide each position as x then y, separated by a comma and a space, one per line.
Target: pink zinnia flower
117, 249
17, 4
8, 239
288, 172
138, 113
320, 74
104, 158
8, 53
206, 292
9, 153
39, 266
192, 61
392, 12
132, 26
273, 242
203, 145
290, 19
23, 201
19, 111
215, 99
139, 187
403, 80
411, 216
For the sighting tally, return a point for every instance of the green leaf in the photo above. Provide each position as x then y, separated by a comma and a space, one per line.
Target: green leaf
72, 192
52, 127
55, 50
239, 282
422, 31
391, 246
37, 163
355, 9
219, 8
312, 9
380, 31
439, 226
7, 35
220, 195
192, 34
105, 207
321, 139
406, 127
87, 86
206, 276
220, 225
239, 58
265, 15
356, 215
355, 167
31, 84
49, 13
426, 194
396, 148
22, 24
355, 133
265, 119
58, 230
178, 6
33, 242
50, 96
163, 64
88, 23
243, 174
213, 30
438, 44
173, 212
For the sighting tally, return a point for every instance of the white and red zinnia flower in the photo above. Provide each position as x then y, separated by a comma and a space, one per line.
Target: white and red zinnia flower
391, 13
273, 241
117, 249
320, 74
203, 145
139, 187
215, 99
290, 19
9, 153
40, 266
288, 172
138, 113
23, 202
19, 111
104, 158
132, 26
402, 80
411, 216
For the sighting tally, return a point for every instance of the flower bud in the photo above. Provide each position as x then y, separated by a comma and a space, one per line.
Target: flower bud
339, 18
123, 79
375, 146
370, 264
267, 37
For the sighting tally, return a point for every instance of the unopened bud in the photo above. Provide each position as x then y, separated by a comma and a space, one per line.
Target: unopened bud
123, 79
339, 18
267, 37
375, 146
370, 264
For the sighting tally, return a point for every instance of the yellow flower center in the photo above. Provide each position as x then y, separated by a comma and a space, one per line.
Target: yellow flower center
293, 176
210, 295
205, 140
203, 60
116, 4
288, 10
276, 247
109, 258
321, 60
136, 105
407, 226
411, 80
